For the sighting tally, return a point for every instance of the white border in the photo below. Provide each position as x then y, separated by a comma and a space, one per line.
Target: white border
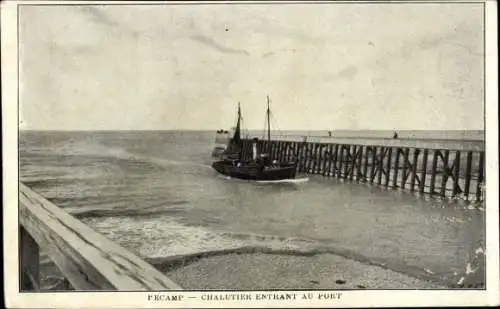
369, 298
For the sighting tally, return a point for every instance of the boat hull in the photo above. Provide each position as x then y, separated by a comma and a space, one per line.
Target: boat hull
255, 171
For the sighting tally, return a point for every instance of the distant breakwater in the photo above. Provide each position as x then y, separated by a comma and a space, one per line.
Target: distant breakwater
438, 168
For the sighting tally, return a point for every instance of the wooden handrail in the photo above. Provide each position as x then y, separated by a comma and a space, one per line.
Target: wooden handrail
467, 145
88, 260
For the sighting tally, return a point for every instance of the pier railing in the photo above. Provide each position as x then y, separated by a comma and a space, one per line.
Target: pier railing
87, 259
440, 168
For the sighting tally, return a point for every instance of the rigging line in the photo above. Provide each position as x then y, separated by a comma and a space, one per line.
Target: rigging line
275, 120
243, 129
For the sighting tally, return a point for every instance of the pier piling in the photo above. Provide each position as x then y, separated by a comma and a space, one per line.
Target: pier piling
404, 174
433, 171
445, 172
424, 170
388, 168
373, 151
414, 163
428, 169
380, 165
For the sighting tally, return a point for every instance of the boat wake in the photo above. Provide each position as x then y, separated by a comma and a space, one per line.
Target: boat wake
297, 180
292, 181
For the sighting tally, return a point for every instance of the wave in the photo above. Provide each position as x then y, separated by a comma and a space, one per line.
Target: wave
215, 243
84, 149
282, 181
167, 243
168, 162
163, 209
169, 263
295, 181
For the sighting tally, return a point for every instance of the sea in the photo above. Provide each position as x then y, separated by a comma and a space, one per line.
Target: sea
155, 193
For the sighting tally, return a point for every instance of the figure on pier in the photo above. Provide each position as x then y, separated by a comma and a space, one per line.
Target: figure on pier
395, 135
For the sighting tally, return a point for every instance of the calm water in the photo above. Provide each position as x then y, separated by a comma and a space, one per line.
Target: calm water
156, 194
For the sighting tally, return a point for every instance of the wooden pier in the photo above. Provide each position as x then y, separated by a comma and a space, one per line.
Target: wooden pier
88, 260
438, 168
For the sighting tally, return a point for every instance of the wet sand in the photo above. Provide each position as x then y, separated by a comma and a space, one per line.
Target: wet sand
254, 271
267, 271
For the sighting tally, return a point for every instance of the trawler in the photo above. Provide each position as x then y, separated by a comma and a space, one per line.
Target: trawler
261, 167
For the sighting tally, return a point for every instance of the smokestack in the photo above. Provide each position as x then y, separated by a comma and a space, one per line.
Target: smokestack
254, 148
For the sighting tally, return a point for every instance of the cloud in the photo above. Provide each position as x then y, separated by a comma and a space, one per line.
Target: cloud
265, 55
102, 18
98, 16
214, 44
348, 72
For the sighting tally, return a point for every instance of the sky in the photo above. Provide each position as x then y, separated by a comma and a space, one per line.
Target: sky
333, 66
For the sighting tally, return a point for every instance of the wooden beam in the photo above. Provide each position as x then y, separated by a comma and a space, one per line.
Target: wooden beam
480, 177
468, 174
381, 164
396, 169
310, 158
347, 159
424, 171
286, 149
389, 159
275, 148
365, 166
340, 161
404, 173
327, 159
416, 152
297, 147
314, 158
374, 160
334, 162
306, 156
456, 174
87, 259
353, 162
433, 170
444, 176
302, 152
324, 159
359, 169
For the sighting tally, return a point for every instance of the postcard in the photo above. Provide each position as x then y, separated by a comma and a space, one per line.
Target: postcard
200, 154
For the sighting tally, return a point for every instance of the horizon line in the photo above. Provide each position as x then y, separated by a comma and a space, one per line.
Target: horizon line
215, 129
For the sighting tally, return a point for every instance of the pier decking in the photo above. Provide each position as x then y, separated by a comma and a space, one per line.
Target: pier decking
88, 260
446, 168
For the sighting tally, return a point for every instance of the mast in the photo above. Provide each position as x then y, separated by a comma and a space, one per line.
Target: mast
237, 133
268, 121
239, 113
